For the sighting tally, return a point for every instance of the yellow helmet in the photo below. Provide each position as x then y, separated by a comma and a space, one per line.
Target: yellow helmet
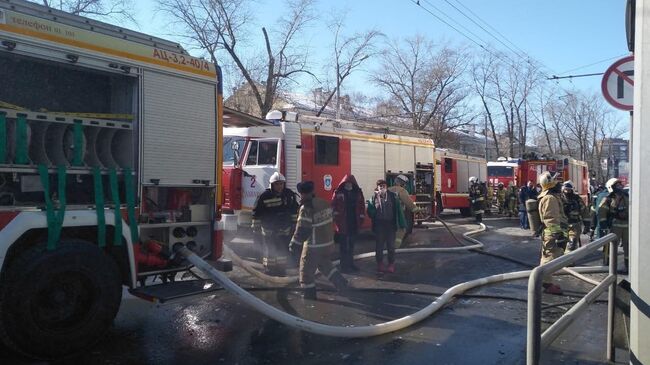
547, 181
610, 184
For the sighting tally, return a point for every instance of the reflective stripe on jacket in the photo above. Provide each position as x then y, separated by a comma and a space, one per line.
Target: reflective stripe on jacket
314, 226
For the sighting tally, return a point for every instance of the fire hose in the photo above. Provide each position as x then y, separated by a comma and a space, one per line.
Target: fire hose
361, 331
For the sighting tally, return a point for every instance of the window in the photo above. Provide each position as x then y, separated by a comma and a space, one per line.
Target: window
252, 154
268, 153
229, 154
448, 165
500, 171
262, 153
327, 150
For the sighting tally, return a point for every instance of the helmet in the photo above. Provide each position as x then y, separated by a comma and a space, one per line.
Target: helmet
277, 177
567, 185
610, 184
473, 179
403, 178
547, 180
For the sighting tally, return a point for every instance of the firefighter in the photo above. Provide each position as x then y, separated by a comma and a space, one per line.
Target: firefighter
555, 232
613, 213
408, 208
476, 198
273, 216
598, 196
576, 210
314, 233
501, 198
487, 194
512, 198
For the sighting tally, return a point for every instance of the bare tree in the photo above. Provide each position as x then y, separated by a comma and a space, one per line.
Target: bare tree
350, 52
482, 75
120, 10
426, 82
513, 85
222, 25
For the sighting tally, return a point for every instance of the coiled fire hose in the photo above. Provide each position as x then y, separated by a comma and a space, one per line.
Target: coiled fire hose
361, 331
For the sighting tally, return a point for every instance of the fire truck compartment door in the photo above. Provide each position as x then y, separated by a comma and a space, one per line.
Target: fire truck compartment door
400, 157
424, 155
179, 129
367, 164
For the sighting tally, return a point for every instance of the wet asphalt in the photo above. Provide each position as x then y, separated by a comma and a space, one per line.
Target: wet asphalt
486, 327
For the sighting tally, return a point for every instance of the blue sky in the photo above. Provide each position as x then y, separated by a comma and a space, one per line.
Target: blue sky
562, 34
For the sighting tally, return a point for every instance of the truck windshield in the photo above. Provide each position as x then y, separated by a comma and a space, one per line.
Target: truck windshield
229, 153
499, 171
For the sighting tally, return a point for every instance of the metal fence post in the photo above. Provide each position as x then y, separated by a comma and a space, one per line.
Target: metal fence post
534, 334
613, 265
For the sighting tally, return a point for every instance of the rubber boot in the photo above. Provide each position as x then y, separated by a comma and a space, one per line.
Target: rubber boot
309, 293
339, 282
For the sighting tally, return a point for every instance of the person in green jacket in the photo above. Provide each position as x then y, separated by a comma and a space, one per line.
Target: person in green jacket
387, 217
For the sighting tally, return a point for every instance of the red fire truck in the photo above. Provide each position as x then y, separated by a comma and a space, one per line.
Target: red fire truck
109, 158
324, 151
453, 171
520, 171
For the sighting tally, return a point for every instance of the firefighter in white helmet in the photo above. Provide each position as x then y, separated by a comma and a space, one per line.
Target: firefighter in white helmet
576, 211
613, 214
476, 199
274, 215
408, 207
555, 225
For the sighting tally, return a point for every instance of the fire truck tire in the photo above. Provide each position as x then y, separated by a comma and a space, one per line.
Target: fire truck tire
54, 303
465, 212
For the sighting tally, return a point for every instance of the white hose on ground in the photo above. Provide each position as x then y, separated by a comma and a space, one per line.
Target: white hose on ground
361, 331
250, 267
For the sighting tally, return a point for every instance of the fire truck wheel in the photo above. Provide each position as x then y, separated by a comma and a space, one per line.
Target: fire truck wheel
465, 212
57, 302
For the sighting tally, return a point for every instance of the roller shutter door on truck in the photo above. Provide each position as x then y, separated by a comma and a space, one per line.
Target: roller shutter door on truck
179, 129
399, 157
367, 164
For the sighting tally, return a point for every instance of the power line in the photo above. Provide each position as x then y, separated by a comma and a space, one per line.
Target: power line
454, 20
497, 55
417, 2
594, 63
485, 30
574, 76
491, 27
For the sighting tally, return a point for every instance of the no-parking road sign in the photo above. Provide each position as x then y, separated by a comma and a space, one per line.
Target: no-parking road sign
618, 84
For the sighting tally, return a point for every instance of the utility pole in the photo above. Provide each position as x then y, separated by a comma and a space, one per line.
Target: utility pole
640, 202
485, 134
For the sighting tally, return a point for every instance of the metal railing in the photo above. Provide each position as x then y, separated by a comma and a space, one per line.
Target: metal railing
536, 340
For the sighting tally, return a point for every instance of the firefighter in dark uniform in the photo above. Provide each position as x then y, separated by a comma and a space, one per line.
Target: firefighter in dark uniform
576, 211
613, 215
315, 234
274, 215
476, 199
